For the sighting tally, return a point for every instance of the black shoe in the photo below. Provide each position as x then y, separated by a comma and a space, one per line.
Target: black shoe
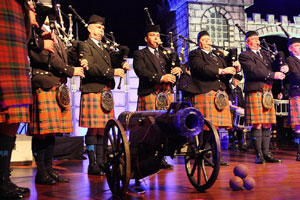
260, 159
101, 167
137, 188
94, 169
57, 177
223, 162
21, 190
243, 148
44, 180
6, 192
298, 157
270, 159
165, 165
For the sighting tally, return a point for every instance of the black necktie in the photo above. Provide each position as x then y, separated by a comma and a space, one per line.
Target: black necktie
100, 45
212, 55
258, 53
156, 53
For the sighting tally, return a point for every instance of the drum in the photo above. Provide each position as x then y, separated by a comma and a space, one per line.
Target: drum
239, 118
281, 107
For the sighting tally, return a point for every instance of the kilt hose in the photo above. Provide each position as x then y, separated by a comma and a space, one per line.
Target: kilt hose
91, 113
47, 117
148, 102
205, 103
294, 111
255, 113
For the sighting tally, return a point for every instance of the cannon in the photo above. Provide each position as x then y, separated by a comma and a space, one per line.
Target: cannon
135, 144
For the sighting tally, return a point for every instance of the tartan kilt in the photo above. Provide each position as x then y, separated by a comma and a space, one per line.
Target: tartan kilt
148, 102
91, 113
15, 114
255, 113
205, 103
15, 83
46, 115
294, 111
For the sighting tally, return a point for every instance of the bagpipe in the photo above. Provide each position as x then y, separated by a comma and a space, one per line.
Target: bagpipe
229, 54
171, 56
118, 53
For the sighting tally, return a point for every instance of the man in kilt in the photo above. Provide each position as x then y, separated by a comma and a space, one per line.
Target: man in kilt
156, 74
210, 74
259, 73
96, 106
49, 115
15, 87
294, 112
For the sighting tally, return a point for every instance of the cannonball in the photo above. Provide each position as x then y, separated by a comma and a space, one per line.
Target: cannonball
241, 170
236, 183
249, 183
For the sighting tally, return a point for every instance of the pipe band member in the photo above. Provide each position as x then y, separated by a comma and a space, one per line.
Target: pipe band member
237, 103
15, 87
156, 75
98, 82
49, 116
259, 71
210, 74
294, 112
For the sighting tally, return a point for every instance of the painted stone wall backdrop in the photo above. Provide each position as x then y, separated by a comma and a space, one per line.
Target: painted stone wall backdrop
219, 17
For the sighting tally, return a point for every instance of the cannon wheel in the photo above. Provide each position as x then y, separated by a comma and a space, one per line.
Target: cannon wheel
117, 158
202, 160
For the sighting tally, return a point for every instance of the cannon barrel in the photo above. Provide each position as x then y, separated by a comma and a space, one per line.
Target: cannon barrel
186, 121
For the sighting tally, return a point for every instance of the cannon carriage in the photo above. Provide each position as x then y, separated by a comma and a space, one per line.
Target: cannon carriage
135, 144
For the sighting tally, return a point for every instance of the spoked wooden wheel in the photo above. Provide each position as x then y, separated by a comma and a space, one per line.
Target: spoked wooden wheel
117, 158
202, 160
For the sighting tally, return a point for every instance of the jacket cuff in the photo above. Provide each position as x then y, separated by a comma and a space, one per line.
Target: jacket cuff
270, 76
68, 71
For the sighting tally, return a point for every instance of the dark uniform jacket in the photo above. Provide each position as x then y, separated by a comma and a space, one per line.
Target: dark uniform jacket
149, 69
100, 72
294, 75
257, 71
48, 69
205, 72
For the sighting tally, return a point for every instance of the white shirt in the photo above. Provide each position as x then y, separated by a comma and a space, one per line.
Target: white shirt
152, 50
96, 42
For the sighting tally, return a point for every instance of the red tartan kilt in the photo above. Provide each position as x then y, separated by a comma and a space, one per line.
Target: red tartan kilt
255, 112
148, 102
46, 115
294, 111
205, 103
91, 113
15, 83
15, 114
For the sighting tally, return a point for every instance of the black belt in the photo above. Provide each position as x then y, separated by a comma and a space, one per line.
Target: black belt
40, 73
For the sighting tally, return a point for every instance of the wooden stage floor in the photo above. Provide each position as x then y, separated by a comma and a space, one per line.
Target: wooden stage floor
273, 181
